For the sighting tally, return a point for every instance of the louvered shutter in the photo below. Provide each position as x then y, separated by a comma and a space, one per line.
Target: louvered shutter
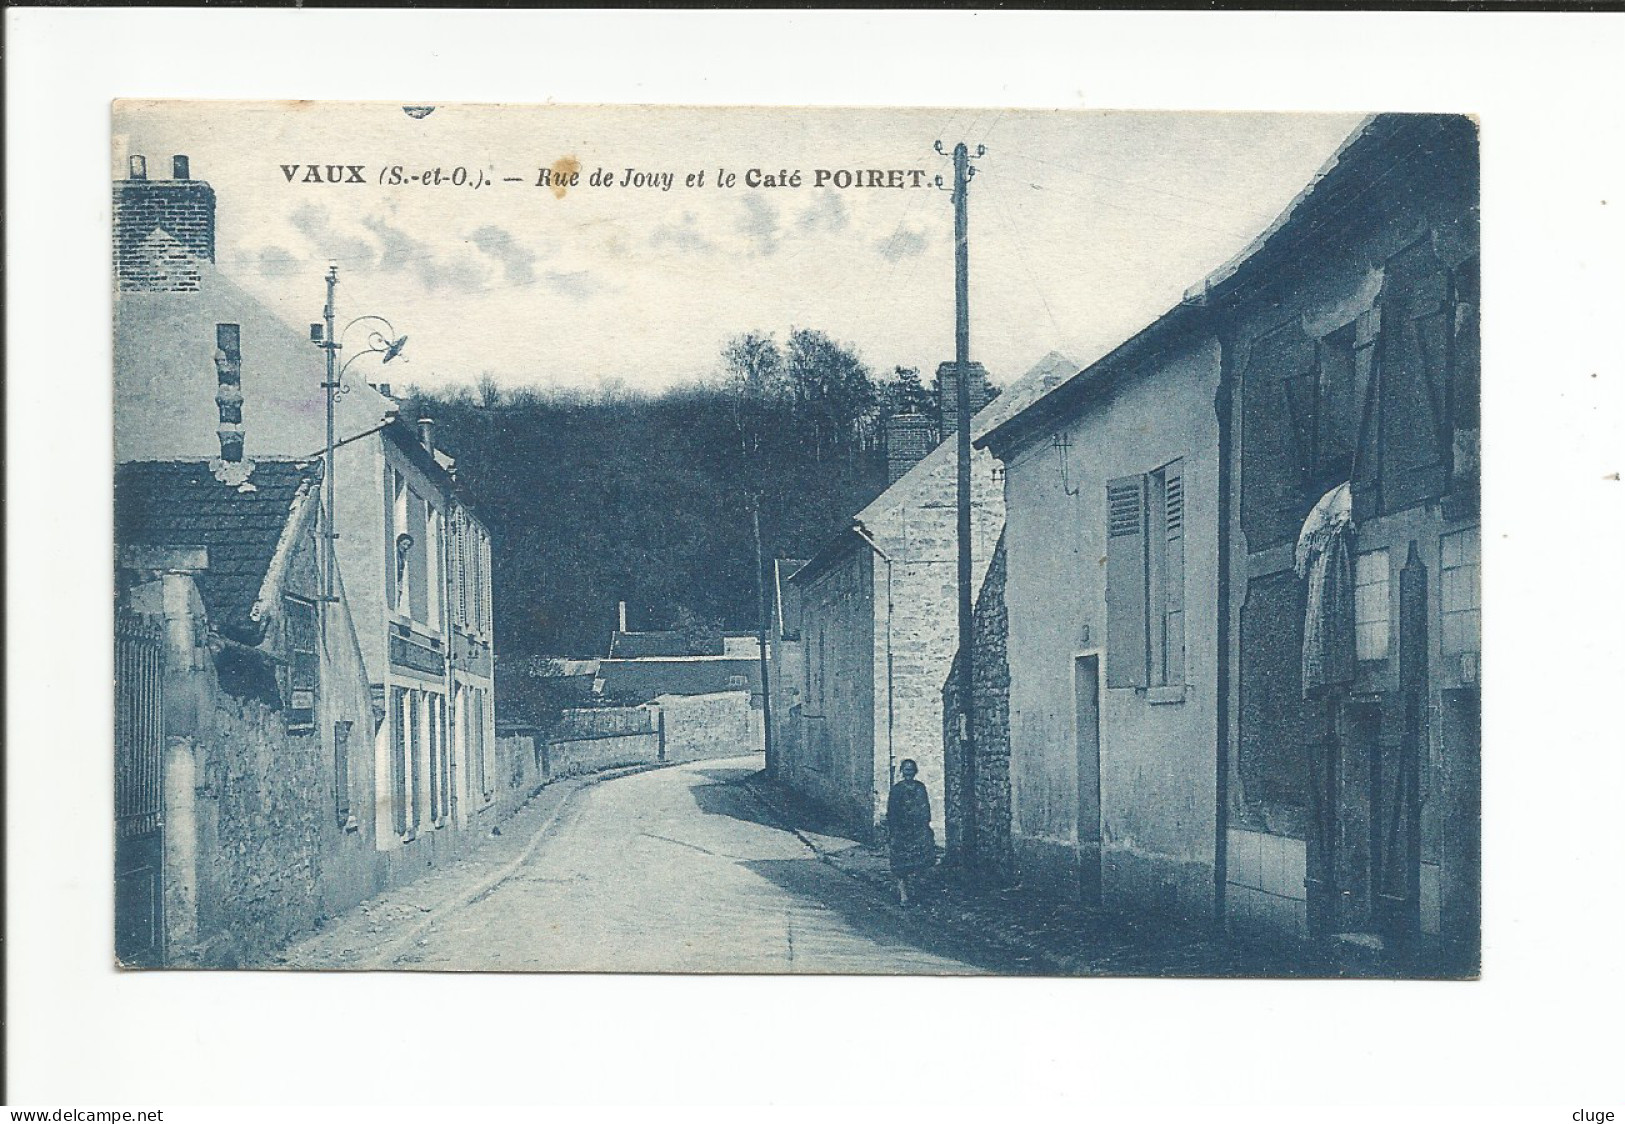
1125, 582
1173, 521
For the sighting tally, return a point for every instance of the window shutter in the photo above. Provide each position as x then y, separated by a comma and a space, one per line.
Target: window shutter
1125, 582
390, 531
417, 525
1174, 569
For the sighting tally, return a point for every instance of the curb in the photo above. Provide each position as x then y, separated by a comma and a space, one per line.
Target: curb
1059, 965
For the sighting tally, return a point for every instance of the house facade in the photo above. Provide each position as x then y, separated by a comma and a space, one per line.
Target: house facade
416, 563
202, 367
1352, 749
1111, 594
877, 616
242, 778
1242, 587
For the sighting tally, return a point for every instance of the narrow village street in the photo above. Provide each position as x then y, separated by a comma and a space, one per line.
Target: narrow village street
680, 869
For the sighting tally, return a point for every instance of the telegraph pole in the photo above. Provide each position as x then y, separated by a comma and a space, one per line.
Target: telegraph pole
967, 620
330, 345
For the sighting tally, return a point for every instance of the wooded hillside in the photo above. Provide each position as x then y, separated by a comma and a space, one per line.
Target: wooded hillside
594, 498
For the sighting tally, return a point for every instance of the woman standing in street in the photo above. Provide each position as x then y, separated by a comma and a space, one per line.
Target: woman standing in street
908, 829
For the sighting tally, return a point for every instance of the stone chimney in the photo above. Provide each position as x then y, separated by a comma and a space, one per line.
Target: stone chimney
948, 394
908, 438
162, 229
228, 395
426, 433
622, 617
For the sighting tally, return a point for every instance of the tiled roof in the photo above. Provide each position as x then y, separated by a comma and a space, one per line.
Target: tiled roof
182, 504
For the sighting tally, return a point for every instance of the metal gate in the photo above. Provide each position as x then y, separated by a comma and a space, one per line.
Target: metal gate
138, 791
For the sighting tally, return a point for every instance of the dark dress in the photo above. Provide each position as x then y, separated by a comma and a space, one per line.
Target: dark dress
908, 829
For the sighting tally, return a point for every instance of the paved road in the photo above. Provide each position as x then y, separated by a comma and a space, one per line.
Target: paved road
682, 870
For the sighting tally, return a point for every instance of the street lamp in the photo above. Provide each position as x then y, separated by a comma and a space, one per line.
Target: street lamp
379, 342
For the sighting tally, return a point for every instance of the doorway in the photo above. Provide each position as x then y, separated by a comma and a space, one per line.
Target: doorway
1086, 690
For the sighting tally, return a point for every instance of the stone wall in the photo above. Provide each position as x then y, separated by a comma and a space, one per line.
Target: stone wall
602, 722
259, 783
590, 755
703, 727
991, 727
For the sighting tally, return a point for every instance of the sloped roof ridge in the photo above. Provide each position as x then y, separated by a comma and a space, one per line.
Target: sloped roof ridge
1043, 376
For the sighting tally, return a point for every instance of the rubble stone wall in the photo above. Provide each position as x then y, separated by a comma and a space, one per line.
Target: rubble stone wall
991, 728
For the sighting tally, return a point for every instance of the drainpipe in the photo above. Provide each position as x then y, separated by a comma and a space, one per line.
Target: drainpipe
1224, 403
448, 524
891, 710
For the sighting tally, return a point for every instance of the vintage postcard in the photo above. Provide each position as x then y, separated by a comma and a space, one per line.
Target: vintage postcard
655, 539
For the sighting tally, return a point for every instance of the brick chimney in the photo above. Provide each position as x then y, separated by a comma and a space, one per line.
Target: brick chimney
161, 229
908, 438
948, 394
228, 365
426, 433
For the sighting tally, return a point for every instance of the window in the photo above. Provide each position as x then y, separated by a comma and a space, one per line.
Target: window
304, 664
437, 791
1371, 628
1335, 416
480, 751
414, 768
1459, 591
341, 774
400, 547
1145, 579
398, 760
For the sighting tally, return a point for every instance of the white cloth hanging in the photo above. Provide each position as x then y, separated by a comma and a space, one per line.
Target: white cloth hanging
1323, 558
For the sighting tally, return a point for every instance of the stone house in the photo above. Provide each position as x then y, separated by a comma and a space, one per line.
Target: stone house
877, 610
243, 781
202, 367
1242, 584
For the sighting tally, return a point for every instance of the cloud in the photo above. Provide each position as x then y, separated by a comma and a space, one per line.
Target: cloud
517, 262
904, 242
684, 236
274, 261
577, 286
390, 250
826, 215
760, 225
312, 221
401, 252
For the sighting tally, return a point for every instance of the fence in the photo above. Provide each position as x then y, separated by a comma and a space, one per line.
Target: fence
138, 727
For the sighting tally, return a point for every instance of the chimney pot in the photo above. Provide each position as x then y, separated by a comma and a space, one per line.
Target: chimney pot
426, 433
183, 168
138, 167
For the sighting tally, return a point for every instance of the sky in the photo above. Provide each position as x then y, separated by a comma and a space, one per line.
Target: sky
1084, 226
